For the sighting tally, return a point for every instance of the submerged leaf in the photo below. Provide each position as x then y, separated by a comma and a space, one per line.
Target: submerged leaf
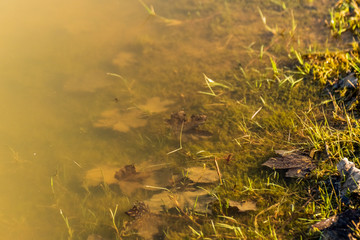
243, 206
155, 105
120, 122
124, 59
202, 175
95, 176
127, 178
197, 200
107, 175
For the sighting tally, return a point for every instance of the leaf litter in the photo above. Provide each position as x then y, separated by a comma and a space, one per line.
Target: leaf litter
297, 164
183, 194
195, 199
155, 105
121, 122
124, 121
128, 178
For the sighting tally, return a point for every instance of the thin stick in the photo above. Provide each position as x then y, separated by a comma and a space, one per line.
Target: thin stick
256, 113
182, 126
218, 170
173, 198
263, 211
159, 188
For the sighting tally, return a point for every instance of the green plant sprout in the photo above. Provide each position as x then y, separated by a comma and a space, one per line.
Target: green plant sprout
211, 84
113, 216
263, 19
69, 229
167, 21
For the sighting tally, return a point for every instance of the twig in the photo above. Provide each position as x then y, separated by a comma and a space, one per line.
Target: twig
256, 113
113, 215
263, 211
180, 147
182, 211
218, 170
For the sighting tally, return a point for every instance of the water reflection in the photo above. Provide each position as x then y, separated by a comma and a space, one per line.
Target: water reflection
60, 107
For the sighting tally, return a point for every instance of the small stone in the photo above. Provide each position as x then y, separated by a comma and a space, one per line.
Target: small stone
350, 174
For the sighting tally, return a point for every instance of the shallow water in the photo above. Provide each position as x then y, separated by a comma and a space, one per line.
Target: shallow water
63, 114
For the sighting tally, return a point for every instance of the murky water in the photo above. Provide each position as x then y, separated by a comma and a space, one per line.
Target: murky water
63, 114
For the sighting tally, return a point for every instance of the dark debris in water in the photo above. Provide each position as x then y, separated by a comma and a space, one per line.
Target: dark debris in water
297, 164
350, 81
341, 226
138, 210
146, 225
179, 122
126, 172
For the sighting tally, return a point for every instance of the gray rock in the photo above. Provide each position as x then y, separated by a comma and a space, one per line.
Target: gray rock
351, 176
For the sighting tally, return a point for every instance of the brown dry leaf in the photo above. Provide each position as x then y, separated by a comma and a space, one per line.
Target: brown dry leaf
155, 105
202, 175
243, 206
198, 200
120, 122
298, 164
